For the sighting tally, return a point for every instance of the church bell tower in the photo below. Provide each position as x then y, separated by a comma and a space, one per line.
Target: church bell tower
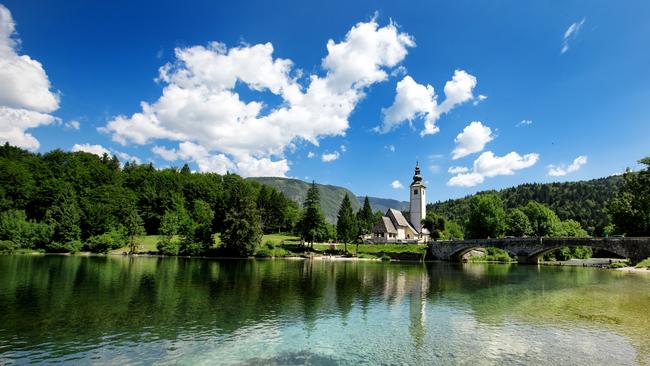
418, 200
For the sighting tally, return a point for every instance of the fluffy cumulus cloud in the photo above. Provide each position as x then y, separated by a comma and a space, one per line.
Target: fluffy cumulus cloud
417, 101
100, 150
329, 157
199, 106
26, 98
562, 170
571, 33
489, 165
397, 184
472, 140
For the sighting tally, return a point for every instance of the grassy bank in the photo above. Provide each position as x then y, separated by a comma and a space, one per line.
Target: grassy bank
287, 245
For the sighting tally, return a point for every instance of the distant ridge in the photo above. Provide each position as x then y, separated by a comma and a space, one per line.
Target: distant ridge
330, 196
583, 201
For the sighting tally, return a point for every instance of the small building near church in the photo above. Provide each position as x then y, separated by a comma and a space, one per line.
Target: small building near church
393, 227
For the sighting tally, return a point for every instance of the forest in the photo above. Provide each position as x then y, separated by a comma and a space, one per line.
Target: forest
71, 201
75, 201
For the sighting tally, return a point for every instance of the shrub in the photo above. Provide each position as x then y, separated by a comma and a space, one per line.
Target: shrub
644, 263
618, 265
167, 246
7, 246
385, 258
72, 246
108, 241
188, 247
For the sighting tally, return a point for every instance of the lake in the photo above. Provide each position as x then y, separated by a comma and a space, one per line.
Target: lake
144, 310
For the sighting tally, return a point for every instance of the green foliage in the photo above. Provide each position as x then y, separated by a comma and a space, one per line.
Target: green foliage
365, 218
630, 208
346, 224
77, 196
72, 246
486, 218
312, 226
517, 223
242, 226
583, 201
64, 218
566, 253
296, 191
617, 265
493, 254
572, 228
453, 231
543, 221
106, 242
436, 225
644, 263
15, 227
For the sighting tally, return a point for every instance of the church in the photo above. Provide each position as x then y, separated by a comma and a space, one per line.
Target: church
393, 227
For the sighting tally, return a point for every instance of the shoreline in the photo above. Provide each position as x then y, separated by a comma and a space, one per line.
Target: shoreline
335, 258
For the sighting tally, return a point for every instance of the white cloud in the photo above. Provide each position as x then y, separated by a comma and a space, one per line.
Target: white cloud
72, 124
458, 169
413, 100
479, 99
473, 139
311, 154
14, 123
489, 165
330, 156
571, 33
562, 170
397, 184
343, 148
219, 163
124, 157
524, 122
98, 150
25, 96
390, 148
198, 104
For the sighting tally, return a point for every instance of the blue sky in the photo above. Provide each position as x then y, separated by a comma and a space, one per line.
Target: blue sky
254, 86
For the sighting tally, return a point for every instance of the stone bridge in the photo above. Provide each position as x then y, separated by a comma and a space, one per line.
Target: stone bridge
529, 250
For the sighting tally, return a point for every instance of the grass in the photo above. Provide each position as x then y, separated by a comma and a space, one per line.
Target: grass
644, 263
284, 244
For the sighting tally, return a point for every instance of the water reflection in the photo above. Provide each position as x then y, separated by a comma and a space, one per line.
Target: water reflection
94, 309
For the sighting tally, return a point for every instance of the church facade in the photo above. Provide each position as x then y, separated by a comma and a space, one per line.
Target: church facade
393, 227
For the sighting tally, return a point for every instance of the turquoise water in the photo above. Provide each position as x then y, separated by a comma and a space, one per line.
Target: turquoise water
121, 310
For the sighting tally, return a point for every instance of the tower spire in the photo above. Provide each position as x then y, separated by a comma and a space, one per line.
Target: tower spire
417, 177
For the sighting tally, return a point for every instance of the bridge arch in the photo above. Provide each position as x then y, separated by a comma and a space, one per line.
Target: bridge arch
457, 255
535, 256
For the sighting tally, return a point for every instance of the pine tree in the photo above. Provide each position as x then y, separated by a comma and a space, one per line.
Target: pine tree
346, 224
312, 224
365, 218
242, 231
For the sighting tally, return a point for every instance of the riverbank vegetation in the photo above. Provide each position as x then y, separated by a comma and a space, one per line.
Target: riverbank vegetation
75, 201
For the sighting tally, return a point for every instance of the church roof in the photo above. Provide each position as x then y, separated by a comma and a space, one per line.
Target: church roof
384, 225
399, 219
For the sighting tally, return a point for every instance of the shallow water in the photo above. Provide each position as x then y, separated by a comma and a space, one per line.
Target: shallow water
122, 310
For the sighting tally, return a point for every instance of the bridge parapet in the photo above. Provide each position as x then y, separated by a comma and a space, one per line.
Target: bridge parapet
530, 249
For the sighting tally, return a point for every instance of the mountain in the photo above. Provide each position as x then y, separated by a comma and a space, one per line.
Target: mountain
383, 204
583, 201
330, 196
296, 190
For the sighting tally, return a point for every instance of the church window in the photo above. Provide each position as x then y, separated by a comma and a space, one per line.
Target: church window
415, 191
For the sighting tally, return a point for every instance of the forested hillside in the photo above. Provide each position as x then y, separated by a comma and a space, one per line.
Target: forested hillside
383, 204
66, 201
296, 190
583, 201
